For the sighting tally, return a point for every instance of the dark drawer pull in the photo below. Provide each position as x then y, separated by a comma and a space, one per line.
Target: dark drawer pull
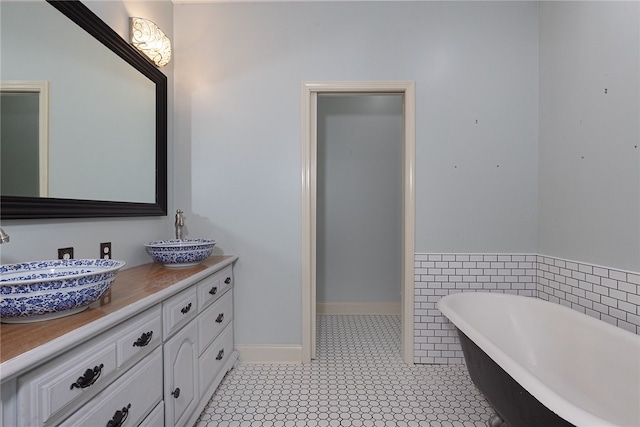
176, 393
119, 417
213, 290
220, 318
185, 310
144, 339
227, 280
90, 376
220, 355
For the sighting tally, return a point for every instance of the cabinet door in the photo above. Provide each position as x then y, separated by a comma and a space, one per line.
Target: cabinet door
181, 375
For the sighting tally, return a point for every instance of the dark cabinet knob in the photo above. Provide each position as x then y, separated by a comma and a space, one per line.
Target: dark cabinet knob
119, 417
220, 355
144, 339
227, 280
90, 376
213, 290
176, 393
185, 310
220, 318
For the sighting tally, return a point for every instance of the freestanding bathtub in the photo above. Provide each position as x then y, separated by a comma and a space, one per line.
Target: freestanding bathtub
543, 364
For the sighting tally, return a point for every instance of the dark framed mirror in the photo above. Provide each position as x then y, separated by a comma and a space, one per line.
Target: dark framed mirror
128, 165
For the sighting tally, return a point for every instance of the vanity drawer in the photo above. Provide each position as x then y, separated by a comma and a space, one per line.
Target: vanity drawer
214, 319
155, 418
210, 288
178, 310
226, 279
133, 395
62, 385
138, 336
214, 358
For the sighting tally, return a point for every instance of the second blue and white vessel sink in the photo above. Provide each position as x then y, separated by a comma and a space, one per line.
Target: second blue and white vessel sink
180, 252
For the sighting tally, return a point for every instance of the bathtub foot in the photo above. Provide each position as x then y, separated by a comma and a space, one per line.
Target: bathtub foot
496, 420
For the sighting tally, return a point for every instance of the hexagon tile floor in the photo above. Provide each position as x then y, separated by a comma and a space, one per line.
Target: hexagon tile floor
357, 380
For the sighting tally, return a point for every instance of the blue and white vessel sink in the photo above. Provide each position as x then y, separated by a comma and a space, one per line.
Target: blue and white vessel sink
180, 252
44, 290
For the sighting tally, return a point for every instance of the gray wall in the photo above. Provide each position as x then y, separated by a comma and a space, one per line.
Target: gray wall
359, 199
239, 69
589, 154
237, 162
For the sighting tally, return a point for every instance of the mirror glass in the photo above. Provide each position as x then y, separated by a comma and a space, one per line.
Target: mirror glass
20, 156
98, 145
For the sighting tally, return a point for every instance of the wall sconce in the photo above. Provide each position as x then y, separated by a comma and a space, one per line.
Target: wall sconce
151, 41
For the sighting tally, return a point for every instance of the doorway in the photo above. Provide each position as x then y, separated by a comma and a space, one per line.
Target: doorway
310, 93
359, 203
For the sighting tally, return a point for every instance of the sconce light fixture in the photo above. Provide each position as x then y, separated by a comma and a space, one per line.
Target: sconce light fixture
151, 41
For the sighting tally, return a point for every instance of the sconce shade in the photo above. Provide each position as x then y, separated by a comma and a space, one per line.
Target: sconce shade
151, 41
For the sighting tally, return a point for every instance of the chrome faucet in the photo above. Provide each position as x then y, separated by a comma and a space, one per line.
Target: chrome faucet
4, 237
179, 224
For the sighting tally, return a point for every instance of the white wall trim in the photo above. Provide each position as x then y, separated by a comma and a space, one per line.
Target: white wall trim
384, 308
263, 353
310, 91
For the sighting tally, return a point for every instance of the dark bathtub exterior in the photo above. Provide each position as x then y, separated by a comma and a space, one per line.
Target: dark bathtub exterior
512, 402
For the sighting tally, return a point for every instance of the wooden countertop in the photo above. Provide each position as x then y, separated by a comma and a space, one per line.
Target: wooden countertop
133, 290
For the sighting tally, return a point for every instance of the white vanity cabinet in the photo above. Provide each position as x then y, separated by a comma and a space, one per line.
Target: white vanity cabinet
198, 349
149, 360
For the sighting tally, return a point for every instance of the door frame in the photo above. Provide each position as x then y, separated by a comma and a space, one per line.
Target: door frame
310, 92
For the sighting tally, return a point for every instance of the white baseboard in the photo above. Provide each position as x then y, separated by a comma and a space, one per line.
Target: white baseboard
292, 354
264, 353
358, 308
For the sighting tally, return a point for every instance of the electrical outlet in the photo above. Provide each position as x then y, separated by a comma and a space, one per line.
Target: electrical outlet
105, 250
65, 253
